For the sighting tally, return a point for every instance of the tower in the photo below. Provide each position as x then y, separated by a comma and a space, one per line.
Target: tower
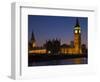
33, 40
77, 38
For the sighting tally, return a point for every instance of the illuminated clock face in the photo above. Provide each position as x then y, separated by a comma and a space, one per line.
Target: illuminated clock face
76, 31
79, 31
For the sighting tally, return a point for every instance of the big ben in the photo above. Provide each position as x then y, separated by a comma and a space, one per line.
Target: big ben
77, 38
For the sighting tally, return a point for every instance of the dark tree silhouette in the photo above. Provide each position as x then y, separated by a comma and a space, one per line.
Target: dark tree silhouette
84, 49
52, 47
56, 46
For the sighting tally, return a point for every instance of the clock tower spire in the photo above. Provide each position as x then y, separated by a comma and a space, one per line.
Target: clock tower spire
77, 37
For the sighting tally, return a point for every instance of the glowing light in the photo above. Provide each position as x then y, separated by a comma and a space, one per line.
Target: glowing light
76, 31
79, 31
33, 45
38, 51
49, 52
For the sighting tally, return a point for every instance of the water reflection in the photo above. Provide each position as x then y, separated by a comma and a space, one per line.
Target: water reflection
59, 62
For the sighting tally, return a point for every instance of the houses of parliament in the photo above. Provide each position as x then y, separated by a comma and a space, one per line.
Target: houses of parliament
74, 48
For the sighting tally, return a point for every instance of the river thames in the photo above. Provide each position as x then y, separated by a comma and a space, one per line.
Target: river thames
69, 61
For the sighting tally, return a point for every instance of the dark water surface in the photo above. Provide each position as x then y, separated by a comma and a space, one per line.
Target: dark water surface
70, 61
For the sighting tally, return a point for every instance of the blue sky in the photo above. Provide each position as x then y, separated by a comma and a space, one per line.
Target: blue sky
52, 27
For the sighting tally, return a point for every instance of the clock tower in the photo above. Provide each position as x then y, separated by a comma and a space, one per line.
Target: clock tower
77, 38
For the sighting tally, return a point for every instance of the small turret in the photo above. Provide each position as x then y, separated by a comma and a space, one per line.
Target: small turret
33, 40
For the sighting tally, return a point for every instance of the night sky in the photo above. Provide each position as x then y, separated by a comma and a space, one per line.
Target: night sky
52, 27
